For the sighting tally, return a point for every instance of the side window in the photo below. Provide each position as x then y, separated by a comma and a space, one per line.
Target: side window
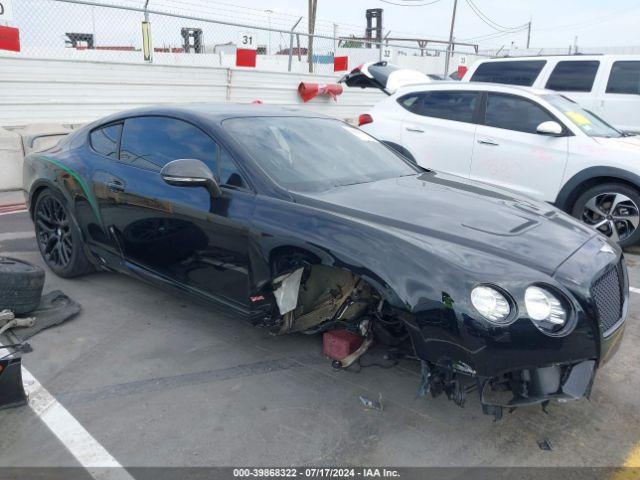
519, 72
105, 140
624, 78
448, 105
229, 173
152, 142
573, 76
514, 113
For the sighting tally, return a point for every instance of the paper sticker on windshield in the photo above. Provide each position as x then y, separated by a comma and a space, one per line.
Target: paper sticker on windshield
578, 118
358, 133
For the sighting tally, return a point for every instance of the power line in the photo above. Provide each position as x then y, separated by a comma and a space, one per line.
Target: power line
485, 18
592, 21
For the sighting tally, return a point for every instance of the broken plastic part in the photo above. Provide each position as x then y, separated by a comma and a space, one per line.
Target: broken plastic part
287, 293
425, 375
372, 404
18, 322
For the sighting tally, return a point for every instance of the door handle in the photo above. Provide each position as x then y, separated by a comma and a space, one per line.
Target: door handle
115, 186
488, 142
414, 129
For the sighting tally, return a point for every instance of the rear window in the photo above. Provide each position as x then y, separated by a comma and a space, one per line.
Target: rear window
624, 78
448, 105
573, 76
518, 72
105, 140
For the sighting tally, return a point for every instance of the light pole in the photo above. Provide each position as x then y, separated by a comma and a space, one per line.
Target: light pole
450, 46
269, 12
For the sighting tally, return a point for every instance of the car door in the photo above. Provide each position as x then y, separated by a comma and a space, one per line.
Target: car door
101, 154
180, 234
511, 154
620, 104
439, 129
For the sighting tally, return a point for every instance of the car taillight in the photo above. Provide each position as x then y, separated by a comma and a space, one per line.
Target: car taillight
364, 119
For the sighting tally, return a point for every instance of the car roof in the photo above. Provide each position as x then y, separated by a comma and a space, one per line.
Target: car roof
211, 112
481, 86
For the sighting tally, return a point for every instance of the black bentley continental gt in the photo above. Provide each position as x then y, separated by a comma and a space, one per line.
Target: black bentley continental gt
301, 223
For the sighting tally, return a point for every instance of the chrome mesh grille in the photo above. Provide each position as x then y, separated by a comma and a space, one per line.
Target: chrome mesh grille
608, 294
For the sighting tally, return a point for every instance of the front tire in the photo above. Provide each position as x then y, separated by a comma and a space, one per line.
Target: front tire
58, 236
612, 209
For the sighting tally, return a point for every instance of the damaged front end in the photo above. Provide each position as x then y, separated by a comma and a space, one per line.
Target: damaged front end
510, 357
513, 389
521, 360
317, 298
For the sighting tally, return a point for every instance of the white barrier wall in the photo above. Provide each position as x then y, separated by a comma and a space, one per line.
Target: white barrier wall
70, 91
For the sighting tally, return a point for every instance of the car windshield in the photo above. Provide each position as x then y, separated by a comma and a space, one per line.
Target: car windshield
315, 154
586, 121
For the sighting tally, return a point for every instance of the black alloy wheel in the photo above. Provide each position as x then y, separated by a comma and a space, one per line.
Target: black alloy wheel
57, 236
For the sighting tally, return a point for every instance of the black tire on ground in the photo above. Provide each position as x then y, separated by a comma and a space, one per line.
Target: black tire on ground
74, 262
20, 285
615, 188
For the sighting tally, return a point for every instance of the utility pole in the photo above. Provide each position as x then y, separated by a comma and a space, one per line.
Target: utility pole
450, 46
313, 8
529, 33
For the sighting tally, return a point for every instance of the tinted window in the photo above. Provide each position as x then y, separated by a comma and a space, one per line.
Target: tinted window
458, 106
105, 140
573, 76
512, 73
229, 173
624, 78
335, 155
514, 113
152, 142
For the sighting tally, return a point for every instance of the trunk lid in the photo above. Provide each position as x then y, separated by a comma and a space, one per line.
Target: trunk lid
383, 76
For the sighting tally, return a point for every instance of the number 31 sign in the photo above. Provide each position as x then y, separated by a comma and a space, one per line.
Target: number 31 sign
6, 11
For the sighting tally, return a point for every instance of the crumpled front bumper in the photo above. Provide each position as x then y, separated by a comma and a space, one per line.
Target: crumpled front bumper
473, 347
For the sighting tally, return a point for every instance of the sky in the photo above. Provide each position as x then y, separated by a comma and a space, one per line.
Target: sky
555, 23
490, 23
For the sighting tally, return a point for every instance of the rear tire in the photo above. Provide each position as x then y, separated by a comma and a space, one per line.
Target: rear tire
613, 209
20, 285
58, 236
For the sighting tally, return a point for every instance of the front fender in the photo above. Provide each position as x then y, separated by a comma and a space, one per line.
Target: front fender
567, 194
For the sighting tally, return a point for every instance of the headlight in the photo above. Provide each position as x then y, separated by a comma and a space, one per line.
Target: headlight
545, 309
491, 304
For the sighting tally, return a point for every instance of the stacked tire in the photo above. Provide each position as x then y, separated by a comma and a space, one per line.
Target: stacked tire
20, 285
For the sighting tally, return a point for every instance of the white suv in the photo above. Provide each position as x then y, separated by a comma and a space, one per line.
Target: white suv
536, 142
608, 85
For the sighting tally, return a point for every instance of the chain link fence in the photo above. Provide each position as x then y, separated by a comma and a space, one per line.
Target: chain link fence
180, 34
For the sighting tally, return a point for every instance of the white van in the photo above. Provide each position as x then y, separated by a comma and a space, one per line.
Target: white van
607, 85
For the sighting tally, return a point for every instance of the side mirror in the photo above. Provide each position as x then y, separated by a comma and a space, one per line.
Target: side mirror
550, 128
189, 172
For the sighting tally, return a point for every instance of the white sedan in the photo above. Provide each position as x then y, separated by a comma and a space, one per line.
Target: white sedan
536, 142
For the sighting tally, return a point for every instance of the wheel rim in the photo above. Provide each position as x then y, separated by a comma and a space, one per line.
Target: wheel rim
612, 214
53, 232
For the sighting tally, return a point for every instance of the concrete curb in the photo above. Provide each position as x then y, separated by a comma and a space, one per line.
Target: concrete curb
13, 208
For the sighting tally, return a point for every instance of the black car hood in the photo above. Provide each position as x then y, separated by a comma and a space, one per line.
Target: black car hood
453, 209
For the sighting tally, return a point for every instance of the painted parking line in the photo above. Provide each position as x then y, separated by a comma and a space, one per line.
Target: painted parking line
86, 449
634, 289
